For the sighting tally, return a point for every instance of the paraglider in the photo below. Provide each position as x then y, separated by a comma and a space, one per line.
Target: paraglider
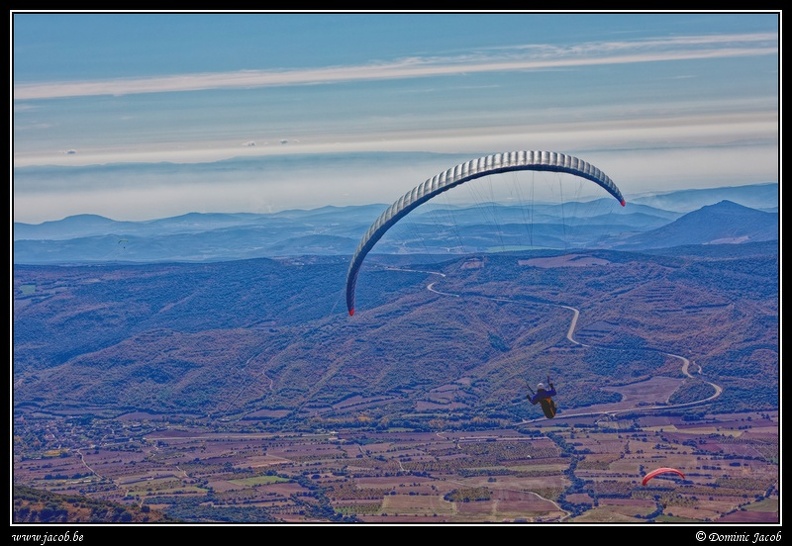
659, 471
464, 172
544, 397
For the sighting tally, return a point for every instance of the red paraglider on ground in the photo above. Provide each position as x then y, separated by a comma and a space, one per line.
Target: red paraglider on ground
659, 471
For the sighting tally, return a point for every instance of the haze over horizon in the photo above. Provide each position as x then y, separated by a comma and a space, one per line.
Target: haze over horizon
138, 116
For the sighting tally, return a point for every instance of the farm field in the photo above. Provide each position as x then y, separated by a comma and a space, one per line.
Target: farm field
575, 470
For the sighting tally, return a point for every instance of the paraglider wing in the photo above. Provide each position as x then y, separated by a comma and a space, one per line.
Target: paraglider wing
464, 172
664, 470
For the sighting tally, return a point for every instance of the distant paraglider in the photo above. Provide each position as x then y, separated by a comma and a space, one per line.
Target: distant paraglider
659, 471
464, 172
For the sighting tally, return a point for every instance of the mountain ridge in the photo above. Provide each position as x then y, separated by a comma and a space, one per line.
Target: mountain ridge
441, 228
723, 222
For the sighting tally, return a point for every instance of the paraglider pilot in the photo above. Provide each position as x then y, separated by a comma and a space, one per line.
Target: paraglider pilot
544, 396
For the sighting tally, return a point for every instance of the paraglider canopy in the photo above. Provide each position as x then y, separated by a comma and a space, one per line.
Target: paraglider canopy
659, 471
464, 172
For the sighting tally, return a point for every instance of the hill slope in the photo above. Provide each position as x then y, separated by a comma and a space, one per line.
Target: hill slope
722, 223
40, 506
271, 340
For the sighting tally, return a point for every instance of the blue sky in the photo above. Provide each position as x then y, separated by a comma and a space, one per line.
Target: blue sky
140, 116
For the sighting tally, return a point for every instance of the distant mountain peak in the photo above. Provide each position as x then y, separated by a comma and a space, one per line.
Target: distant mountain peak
722, 222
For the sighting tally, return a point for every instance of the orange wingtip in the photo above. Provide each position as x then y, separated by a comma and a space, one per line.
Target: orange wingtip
623, 202
351, 312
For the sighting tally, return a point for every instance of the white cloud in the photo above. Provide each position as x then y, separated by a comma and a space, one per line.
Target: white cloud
527, 58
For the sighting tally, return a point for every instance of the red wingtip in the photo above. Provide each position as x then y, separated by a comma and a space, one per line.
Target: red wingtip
351, 312
623, 202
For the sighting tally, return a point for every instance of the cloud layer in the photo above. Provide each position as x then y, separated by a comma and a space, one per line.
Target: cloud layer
529, 57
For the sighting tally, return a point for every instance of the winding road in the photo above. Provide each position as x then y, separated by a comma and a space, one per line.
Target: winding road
570, 336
